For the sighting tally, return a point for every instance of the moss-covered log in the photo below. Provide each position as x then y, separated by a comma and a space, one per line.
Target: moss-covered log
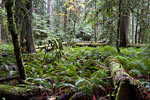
136, 45
127, 88
20, 93
90, 44
12, 93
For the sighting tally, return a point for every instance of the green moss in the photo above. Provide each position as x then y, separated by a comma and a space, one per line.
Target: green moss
10, 5
3, 73
12, 90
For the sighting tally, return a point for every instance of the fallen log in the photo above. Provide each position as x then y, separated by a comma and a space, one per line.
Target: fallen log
9, 79
126, 87
20, 93
90, 44
137, 45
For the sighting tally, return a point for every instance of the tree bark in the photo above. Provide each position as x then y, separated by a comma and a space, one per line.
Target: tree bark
57, 17
118, 28
10, 4
124, 23
143, 35
139, 35
29, 35
136, 33
27, 40
65, 20
4, 31
95, 26
133, 35
49, 12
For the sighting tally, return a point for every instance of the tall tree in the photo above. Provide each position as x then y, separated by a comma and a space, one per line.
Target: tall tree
65, 20
26, 30
133, 33
49, 11
118, 28
136, 28
4, 30
57, 19
96, 27
10, 6
124, 22
136, 33
29, 35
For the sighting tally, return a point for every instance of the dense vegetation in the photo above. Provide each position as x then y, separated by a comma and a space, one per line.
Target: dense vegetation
74, 50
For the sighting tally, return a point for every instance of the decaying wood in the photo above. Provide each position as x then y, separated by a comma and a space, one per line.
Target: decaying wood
20, 93
90, 44
136, 45
9, 79
127, 88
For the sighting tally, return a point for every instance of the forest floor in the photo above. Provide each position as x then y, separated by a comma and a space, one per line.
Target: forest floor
80, 74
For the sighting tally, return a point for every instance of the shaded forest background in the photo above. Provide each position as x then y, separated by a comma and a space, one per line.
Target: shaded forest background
124, 21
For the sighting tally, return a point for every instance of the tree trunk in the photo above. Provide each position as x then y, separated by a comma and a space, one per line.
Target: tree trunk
49, 12
2, 27
65, 20
10, 4
139, 35
95, 26
74, 27
133, 29
136, 33
124, 23
118, 28
95, 33
4, 31
29, 35
27, 40
57, 17
143, 36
